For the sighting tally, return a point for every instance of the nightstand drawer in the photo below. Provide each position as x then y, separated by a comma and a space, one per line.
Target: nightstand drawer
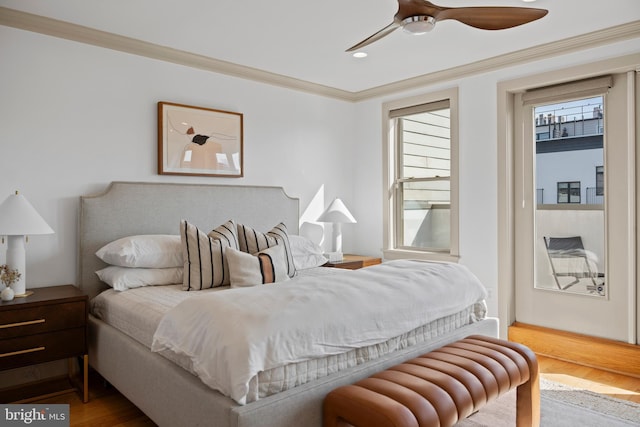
44, 318
27, 350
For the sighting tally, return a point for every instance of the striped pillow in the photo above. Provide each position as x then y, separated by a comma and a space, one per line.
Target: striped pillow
267, 266
252, 241
227, 232
204, 262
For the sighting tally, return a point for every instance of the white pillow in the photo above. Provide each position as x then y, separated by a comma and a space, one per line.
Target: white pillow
263, 267
146, 251
306, 254
123, 278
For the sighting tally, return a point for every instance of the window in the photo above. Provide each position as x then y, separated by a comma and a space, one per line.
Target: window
569, 192
421, 202
600, 180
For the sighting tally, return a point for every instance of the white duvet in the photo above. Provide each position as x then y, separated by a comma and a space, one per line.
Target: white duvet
231, 336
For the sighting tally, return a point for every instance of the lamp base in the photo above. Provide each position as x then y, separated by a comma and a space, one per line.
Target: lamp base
333, 256
16, 261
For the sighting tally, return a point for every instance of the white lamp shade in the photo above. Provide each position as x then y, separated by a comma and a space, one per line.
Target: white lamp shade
19, 218
337, 212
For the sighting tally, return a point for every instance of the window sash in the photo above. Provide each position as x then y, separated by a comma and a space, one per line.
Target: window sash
423, 161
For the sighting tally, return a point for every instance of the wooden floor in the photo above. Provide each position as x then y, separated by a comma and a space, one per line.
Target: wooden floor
107, 407
602, 366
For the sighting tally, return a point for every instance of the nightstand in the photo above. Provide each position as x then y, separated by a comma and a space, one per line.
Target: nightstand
354, 262
50, 324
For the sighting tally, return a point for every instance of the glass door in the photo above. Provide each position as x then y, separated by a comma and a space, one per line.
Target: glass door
574, 199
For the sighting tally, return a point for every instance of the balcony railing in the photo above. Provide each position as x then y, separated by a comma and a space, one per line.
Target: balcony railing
580, 121
593, 198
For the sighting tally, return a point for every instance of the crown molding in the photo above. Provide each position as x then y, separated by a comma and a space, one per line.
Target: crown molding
560, 47
66, 30
79, 33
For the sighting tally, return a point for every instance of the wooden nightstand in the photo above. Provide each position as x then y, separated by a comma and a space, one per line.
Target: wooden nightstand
354, 262
50, 324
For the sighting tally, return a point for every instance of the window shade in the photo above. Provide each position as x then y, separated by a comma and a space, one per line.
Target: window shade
580, 89
416, 109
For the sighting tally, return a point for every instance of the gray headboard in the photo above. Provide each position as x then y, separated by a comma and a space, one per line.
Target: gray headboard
130, 208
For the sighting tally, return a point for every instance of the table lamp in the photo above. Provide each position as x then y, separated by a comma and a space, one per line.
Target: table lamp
17, 220
337, 214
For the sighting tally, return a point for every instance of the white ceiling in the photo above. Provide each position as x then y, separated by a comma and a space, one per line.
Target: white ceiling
307, 41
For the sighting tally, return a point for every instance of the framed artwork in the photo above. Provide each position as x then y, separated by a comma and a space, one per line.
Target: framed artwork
199, 141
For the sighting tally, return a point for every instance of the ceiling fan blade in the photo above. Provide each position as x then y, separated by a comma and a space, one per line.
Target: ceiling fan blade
375, 37
492, 18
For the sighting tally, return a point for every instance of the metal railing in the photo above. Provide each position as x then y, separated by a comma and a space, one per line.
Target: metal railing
568, 123
593, 198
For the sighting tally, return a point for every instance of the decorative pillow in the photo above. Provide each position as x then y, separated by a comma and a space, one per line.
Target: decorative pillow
306, 254
204, 265
147, 251
123, 278
227, 233
266, 266
252, 241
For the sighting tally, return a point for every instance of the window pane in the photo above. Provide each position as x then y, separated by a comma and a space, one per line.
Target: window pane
574, 192
425, 214
599, 183
425, 144
569, 251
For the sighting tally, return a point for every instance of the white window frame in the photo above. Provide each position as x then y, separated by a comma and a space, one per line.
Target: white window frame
390, 163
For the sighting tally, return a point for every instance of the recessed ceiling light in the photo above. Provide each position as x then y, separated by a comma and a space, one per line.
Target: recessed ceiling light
360, 55
528, 1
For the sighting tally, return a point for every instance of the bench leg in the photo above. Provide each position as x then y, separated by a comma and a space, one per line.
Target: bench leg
528, 402
528, 393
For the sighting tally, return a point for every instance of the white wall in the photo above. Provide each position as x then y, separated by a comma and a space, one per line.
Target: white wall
76, 117
478, 159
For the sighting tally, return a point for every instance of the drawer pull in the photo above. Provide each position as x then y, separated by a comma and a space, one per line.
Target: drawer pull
28, 322
15, 353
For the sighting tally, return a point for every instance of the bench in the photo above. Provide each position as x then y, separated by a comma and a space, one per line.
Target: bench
441, 387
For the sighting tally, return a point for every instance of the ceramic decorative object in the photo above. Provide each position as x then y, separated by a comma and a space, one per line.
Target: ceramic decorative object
8, 276
7, 294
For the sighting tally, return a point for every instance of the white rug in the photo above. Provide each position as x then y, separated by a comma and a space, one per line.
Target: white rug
561, 406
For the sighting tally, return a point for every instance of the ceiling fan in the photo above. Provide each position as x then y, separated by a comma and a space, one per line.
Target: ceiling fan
420, 16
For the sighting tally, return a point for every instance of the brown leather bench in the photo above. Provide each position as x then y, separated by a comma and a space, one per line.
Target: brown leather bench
441, 387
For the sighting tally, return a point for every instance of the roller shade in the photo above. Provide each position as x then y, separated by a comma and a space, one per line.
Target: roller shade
416, 109
580, 89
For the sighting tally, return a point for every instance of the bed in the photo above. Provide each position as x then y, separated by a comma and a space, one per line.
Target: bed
161, 384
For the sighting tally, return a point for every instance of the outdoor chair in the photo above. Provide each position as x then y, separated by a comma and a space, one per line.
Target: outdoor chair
568, 258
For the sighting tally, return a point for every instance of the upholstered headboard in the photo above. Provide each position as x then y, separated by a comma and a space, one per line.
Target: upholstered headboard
130, 208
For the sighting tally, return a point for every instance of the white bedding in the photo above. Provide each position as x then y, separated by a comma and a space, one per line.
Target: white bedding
231, 336
137, 312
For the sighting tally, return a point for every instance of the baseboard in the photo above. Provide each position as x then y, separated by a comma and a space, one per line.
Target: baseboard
600, 353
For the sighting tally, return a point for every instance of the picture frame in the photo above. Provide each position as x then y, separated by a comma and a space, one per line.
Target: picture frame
199, 141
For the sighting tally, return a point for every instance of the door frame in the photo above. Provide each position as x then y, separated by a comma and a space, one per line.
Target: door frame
506, 127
